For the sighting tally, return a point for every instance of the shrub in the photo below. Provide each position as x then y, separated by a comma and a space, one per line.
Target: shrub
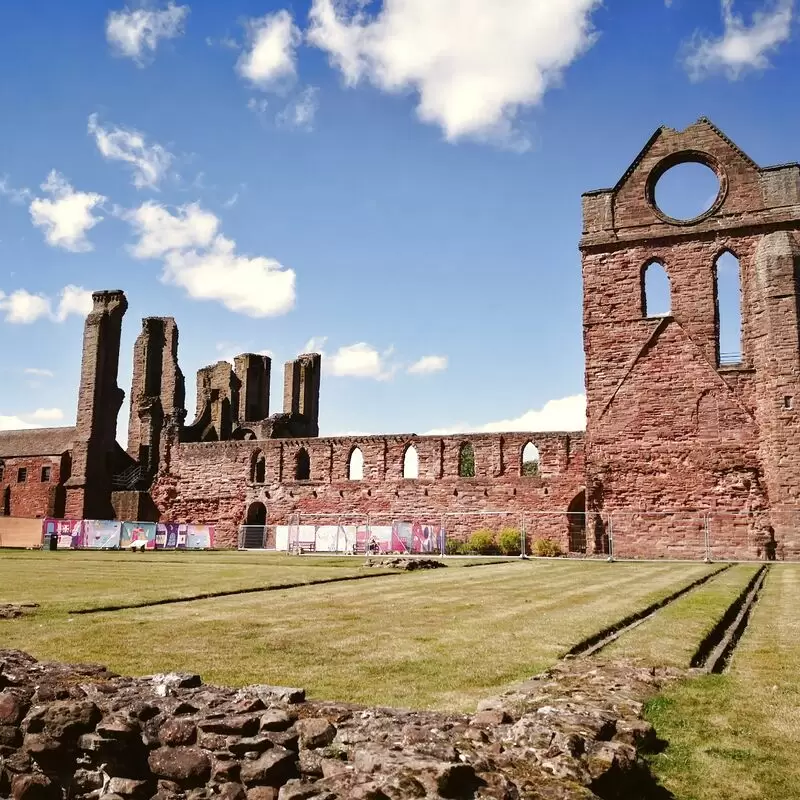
509, 542
453, 547
482, 543
547, 547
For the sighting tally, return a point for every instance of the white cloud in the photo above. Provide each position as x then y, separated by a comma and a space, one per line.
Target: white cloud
135, 33
73, 300
361, 360
565, 414
741, 47
205, 263
19, 196
23, 308
300, 111
45, 415
428, 364
316, 344
12, 423
229, 351
66, 216
150, 163
474, 64
269, 61
39, 373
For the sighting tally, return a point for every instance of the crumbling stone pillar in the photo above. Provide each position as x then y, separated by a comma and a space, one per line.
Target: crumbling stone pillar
99, 402
157, 395
301, 379
253, 372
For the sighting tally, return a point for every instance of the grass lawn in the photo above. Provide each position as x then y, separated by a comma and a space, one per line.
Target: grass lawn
735, 736
76, 580
671, 636
442, 638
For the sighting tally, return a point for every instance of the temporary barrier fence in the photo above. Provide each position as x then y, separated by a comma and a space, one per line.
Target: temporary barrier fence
83, 534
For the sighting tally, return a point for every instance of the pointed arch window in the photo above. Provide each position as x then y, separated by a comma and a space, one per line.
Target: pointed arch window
258, 468
529, 462
355, 465
302, 467
728, 309
411, 462
466, 461
656, 291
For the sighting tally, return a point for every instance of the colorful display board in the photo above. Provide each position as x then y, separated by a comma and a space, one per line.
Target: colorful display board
76, 534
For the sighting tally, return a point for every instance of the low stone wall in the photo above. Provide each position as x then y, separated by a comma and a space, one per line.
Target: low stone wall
82, 732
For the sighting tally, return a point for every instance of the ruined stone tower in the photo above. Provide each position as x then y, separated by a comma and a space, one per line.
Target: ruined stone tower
157, 395
672, 422
99, 400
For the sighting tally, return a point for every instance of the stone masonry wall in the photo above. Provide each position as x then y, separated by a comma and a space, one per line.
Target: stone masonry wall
213, 483
668, 425
39, 495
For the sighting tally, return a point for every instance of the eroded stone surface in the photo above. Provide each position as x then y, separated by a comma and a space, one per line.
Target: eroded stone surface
85, 733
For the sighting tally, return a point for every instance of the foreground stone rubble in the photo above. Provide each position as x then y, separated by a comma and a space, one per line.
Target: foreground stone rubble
83, 732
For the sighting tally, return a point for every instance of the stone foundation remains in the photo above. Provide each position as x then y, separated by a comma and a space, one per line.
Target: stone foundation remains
83, 733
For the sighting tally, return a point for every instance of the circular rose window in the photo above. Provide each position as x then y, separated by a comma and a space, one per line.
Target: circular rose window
685, 189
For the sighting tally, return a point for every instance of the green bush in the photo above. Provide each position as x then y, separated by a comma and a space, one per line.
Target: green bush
453, 547
547, 547
509, 541
482, 543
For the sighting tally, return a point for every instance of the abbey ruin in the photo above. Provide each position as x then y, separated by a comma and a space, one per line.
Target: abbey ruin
672, 423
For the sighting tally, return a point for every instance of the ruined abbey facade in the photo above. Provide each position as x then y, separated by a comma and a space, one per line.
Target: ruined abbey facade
672, 423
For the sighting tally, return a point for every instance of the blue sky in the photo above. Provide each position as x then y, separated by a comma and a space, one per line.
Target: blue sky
397, 185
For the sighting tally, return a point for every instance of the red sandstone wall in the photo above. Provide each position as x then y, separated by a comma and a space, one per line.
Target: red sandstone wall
210, 483
667, 428
33, 498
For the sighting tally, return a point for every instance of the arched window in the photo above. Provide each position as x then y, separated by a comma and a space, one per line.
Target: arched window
302, 467
529, 463
258, 467
2, 470
411, 462
576, 523
355, 465
656, 292
466, 461
728, 308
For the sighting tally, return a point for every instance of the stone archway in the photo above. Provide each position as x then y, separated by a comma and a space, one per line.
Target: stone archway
253, 535
576, 523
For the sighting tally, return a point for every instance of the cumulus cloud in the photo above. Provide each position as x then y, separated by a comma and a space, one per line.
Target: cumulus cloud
203, 262
150, 163
428, 364
19, 196
269, 61
301, 110
66, 216
742, 47
135, 33
45, 415
474, 65
21, 307
361, 360
565, 414
13, 423
316, 344
73, 300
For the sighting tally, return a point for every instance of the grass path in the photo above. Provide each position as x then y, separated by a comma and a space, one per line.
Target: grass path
440, 639
735, 736
671, 636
